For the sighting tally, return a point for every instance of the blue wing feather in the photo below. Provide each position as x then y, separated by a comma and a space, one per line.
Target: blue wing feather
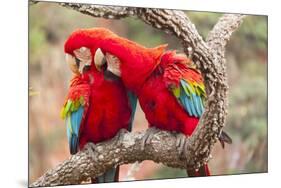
185, 103
68, 129
193, 107
73, 123
197, 101
196, 105
190, 100
76, 118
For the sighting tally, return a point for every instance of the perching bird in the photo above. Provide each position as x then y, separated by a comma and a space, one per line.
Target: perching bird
171, 93
98, 105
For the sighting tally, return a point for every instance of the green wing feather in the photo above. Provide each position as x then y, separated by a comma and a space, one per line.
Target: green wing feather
73, 112
191, 96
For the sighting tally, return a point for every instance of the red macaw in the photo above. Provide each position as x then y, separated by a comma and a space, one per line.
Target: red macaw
98, 105
171, 93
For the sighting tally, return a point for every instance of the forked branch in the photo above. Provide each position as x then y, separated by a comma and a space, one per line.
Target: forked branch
209, 58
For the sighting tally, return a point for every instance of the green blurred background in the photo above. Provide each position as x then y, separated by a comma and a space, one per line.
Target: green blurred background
50, 25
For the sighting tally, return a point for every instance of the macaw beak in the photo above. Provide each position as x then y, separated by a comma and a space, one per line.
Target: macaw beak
107, 62
99, 60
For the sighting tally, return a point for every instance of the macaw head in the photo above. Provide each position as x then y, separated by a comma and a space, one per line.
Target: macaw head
102, 50
82, 52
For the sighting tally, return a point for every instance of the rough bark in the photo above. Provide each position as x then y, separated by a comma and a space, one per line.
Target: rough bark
209, 58
123, 149
222, 31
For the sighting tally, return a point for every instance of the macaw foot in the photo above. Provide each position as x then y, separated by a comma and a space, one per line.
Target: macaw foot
91, 147
119, 136
181, 143
147, 137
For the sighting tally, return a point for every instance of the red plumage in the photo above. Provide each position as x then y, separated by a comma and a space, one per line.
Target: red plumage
162, 109
152, 74
138, 62
105, 100
107, 107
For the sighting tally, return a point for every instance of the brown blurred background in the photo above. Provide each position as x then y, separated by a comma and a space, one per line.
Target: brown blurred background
49, 26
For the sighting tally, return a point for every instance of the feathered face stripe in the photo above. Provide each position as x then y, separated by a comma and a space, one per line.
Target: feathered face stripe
82, 58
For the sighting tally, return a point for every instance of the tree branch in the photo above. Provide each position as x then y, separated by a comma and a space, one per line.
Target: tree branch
122, 149
209, 58
222, 31
109, 12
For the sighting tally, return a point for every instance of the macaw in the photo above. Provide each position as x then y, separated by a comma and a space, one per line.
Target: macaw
170, 91
98, 105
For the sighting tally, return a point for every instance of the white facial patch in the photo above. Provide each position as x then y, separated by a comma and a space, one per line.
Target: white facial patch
113, 64
84, 55
72, 64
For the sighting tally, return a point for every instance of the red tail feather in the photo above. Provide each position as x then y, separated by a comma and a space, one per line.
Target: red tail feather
203, 171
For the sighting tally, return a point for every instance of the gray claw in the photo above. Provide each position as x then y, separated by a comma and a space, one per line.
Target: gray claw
181, 143
147, 137
119, 135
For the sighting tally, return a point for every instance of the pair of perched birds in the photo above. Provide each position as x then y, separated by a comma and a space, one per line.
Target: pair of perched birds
111, 73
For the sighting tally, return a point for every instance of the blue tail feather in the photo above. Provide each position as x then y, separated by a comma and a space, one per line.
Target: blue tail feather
73, 146
133, 103
108, 176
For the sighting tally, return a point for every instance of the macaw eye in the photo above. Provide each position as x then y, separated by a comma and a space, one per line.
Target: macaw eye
77, 62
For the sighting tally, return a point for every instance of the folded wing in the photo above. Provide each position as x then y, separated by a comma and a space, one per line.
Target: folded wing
187, 86
74, 112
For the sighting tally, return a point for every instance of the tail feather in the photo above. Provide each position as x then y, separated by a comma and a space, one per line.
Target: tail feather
111, 175
224, 138
73, 146
203, 171
116, 177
